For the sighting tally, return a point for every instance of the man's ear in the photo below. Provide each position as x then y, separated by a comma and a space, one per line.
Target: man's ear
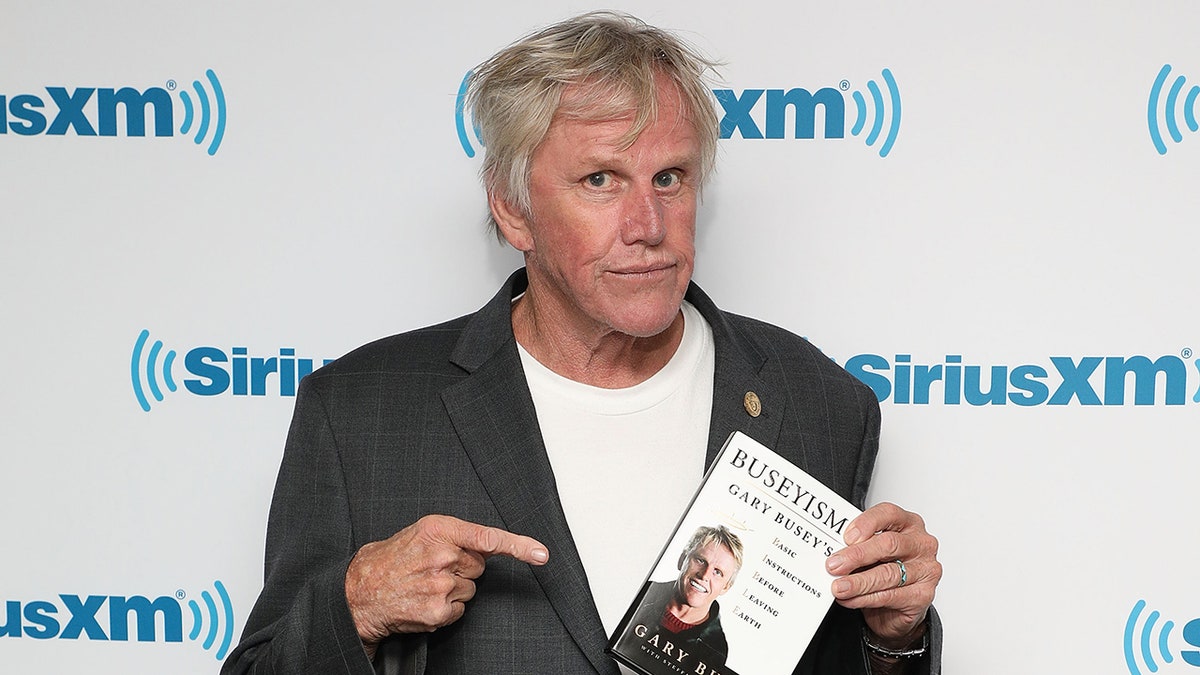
682, 557
511, 221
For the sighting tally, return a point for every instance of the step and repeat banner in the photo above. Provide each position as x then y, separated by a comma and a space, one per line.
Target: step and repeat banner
986, 212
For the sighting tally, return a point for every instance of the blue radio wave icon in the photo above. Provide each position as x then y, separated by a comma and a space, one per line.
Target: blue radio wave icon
148, 369
212, 112
1145, 641
880, 111
1170, 109
218, 621
460, 118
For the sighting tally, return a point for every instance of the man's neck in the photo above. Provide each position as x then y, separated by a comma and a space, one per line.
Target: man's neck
687, 613
600, 358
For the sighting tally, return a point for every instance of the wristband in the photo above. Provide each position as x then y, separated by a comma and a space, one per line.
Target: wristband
908, 653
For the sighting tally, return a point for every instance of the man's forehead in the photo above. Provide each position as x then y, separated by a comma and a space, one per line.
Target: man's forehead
616, 139
713, 548
611, 107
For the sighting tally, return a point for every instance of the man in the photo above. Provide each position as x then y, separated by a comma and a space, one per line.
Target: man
590, 392
679, 622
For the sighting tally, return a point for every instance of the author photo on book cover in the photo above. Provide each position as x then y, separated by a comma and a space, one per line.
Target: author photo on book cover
677, 625
486, 495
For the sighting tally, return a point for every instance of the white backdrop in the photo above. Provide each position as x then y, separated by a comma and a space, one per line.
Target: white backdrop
1023, 222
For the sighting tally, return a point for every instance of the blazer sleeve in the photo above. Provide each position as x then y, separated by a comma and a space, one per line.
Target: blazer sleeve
931, 662
837, 648
301, 622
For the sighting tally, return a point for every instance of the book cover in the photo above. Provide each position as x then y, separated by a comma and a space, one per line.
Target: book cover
741, 585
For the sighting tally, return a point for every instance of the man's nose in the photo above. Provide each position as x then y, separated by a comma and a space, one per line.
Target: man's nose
644, 220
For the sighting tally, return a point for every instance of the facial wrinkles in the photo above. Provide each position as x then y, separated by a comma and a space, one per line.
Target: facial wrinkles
635, 202
609, 246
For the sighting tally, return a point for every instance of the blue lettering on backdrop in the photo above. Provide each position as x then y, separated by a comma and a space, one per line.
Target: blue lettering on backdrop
23, 108
128, 618
245, 375
135, 103
737, 112
1191, 635
213, 371
83, 617
882, 112
71, 115
802, 103
68, 112
1159, 381
201, 362
145, 612
39, 615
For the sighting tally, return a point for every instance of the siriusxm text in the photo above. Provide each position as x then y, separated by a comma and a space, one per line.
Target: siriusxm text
73, 617
1063, 380
216, 372
739, 112
62, 111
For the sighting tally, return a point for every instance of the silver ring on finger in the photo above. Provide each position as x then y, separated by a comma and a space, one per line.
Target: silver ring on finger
903, 573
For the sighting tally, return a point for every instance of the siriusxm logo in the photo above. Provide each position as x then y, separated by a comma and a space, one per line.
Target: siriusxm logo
120, 618
1143, 646
743, 117
1169, 111
1063, 380
215, 371
741, 113
72, 110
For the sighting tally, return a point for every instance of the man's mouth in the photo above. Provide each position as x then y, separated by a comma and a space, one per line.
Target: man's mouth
642, 270
698, 586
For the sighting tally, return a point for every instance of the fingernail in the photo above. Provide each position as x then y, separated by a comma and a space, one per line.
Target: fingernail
851, 535
834, 562
841, 587
540, 555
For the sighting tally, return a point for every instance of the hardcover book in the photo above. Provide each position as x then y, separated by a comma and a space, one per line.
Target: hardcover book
741, 585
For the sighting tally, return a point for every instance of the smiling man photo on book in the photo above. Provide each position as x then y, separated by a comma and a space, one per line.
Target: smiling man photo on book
680, 621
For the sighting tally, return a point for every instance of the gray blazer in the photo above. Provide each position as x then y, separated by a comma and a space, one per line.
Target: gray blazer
440, 420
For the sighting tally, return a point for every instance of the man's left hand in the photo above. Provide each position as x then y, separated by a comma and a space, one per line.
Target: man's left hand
871, 576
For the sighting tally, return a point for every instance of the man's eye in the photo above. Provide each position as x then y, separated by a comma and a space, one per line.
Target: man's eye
600, 179
666, 179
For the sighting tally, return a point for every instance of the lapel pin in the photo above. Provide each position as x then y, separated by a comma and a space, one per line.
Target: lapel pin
752, 404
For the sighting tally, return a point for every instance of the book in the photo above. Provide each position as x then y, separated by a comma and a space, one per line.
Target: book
741, 586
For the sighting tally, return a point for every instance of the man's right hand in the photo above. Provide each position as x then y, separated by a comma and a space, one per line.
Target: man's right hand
420, 578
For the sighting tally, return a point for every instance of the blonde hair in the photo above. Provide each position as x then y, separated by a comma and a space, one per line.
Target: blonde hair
720, 535
515, 95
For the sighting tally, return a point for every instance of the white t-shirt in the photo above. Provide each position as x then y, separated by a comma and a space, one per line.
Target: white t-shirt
627, 461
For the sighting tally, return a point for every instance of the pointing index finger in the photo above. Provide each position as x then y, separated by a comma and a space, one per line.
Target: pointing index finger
489, 541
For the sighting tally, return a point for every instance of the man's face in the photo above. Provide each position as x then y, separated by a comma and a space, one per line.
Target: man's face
706, 575
609, 244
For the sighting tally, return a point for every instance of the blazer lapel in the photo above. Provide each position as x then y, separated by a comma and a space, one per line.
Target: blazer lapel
739, 390
493, 414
